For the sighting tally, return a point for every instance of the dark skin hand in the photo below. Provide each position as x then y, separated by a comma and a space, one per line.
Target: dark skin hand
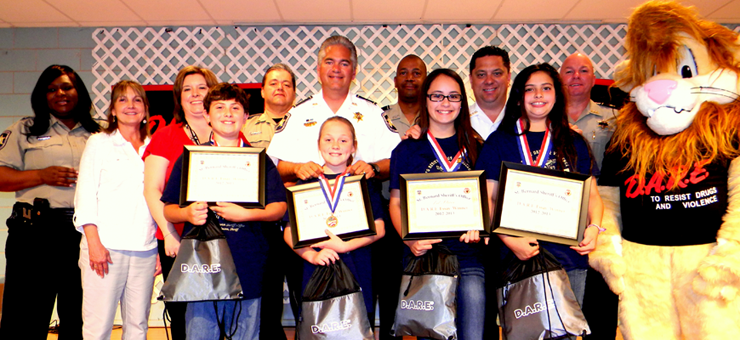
58, 176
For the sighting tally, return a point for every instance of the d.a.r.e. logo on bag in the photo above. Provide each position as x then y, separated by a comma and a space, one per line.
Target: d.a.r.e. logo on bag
201, 269
417, 305
536, 307
331, 327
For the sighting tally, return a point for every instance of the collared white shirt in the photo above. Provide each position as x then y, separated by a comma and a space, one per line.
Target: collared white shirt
110, 193
481, 123
297, 142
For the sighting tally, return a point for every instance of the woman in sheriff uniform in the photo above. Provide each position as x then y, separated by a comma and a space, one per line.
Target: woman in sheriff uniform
39, 157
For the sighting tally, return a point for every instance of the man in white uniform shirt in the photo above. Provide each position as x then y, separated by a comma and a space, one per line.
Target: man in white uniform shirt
490, 75
295, 147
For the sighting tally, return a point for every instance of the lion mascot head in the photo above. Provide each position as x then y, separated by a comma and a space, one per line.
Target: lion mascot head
682, 75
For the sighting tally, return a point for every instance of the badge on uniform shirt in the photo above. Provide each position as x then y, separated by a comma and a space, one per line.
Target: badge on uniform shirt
309, 123
4, 138
358, 116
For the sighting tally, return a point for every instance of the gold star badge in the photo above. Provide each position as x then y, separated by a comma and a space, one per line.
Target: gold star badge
358, 116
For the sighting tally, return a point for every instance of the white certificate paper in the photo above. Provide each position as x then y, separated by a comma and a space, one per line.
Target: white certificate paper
545, 205
444, 205
223, 177
312, 212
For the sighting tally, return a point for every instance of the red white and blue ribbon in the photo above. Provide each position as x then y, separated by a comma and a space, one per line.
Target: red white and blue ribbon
242, 141
332, 194
448, 166
524, 151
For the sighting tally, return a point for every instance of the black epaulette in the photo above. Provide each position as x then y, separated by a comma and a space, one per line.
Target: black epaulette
303, 101
283, 123
607, 105
386, 108
254, 116
363, 98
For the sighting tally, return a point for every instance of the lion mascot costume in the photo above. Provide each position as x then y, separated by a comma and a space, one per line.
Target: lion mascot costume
671, 180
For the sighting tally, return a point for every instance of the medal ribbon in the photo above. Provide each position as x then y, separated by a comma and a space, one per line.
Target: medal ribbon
524, 151
449, 166
242, 141
332, 194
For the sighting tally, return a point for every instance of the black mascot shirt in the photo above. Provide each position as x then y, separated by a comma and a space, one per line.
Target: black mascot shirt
653, 214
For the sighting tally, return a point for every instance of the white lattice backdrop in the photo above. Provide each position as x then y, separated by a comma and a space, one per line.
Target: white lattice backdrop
242, 54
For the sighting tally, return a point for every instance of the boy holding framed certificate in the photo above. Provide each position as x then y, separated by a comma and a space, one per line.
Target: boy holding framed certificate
226, 106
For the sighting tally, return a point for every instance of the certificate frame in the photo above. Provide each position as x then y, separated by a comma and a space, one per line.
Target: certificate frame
504, 223
296, 223
249, 154
411, 231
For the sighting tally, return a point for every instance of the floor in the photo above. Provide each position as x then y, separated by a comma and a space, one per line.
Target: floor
158, 334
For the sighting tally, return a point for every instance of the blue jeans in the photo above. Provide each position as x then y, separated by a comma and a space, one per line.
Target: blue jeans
202, 319
577, 278
471, 303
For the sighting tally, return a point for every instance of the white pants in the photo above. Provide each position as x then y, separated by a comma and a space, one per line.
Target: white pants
129, 281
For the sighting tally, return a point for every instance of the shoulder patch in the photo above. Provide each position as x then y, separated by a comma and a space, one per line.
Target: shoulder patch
4, 138
303, 101
283, 123
388, 123
386, 108
365, 99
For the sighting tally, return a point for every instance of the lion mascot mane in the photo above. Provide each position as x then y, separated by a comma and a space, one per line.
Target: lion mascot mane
672, 175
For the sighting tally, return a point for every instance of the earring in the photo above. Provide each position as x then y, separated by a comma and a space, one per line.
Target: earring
143, 121
114, 118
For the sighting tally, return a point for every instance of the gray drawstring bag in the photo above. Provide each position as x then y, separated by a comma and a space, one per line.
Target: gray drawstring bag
204, 268
333, 307
536, 301
427, 306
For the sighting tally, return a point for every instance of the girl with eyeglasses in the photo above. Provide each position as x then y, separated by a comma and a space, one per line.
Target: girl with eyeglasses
448, 143
535, 131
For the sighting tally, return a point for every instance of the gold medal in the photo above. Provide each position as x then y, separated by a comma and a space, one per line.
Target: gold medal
332, 221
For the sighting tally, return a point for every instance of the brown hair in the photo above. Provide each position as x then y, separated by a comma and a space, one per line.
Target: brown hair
211, 80
467, 138
119, 90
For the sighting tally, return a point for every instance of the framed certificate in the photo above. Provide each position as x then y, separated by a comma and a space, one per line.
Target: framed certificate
310, 213
546, 204
223, 174
443, 204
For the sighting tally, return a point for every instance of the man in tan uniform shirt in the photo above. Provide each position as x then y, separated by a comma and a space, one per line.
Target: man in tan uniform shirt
278, 91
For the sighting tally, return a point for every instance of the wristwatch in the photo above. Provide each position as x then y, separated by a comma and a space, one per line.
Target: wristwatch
376, 168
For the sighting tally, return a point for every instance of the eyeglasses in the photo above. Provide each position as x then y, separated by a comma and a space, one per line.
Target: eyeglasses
438, 97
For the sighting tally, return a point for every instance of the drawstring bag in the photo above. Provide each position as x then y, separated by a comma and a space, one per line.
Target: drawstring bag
333, 307
536, 301
426, 306
204, 268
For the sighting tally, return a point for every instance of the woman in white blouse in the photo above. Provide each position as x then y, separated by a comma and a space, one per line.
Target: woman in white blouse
118, 254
